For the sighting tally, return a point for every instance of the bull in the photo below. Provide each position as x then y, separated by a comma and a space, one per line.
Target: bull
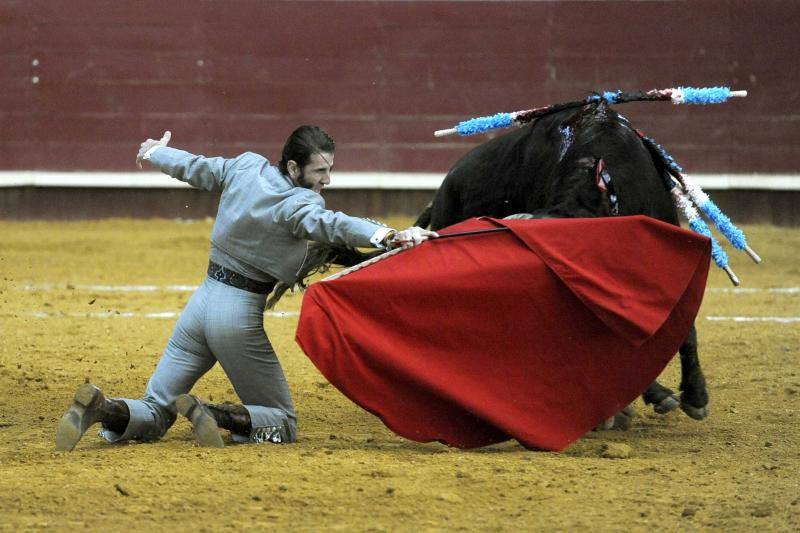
579, 162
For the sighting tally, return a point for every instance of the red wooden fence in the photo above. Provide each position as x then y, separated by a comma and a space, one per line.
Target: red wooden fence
83, 82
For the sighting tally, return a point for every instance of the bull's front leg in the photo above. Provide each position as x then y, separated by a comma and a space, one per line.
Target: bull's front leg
694, 395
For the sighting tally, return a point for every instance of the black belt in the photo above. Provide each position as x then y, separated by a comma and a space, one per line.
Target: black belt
234, 279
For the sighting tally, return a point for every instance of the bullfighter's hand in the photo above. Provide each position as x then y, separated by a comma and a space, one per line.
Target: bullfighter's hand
411, 237
149, 143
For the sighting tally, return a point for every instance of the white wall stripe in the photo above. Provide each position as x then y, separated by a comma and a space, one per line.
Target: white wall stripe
348, 180
155, 180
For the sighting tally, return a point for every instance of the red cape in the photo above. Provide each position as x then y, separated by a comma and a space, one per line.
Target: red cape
538, 333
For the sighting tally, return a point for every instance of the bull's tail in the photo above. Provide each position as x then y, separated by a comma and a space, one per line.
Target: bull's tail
319, 259
424, 218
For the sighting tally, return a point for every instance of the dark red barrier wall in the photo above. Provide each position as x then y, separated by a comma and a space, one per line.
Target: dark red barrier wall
83, 82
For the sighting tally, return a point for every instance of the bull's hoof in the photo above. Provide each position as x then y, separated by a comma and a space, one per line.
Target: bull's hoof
697, 413
670, 403
624, 419
621, 420
607, 424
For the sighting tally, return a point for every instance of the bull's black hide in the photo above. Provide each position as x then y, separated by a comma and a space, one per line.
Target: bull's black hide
553, 168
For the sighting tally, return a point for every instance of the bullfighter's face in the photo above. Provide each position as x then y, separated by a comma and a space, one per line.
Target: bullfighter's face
316, 174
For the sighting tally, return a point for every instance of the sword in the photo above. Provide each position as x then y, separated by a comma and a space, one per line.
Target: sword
396, 251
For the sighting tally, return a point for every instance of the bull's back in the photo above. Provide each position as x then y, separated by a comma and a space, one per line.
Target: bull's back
513, 173
496, 178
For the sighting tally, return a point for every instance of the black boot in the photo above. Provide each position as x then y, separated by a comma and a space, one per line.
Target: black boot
236, 418
231, 416
89, 407
208, 419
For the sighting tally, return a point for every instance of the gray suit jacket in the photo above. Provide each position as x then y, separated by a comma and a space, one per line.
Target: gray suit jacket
263, 220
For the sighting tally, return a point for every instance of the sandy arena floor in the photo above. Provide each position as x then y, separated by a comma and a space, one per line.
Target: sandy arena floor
66, 316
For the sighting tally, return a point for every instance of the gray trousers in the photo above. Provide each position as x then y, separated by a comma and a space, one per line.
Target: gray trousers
225, 324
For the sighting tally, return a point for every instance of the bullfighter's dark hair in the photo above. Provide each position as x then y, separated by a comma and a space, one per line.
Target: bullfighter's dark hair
303, 143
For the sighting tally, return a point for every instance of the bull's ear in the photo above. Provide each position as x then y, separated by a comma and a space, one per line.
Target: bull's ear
601, 176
